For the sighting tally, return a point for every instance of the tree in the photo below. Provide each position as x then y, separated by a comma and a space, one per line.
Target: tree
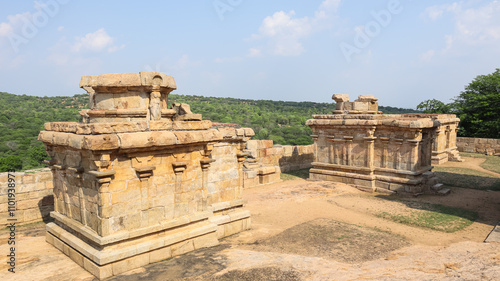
433, 106
478, 107
11, 162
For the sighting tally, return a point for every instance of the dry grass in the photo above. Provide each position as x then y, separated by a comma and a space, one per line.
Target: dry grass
492, 163
433, 216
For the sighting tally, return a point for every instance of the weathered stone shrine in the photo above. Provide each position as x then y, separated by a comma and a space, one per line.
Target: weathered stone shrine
374, 152
444, 147
138, 182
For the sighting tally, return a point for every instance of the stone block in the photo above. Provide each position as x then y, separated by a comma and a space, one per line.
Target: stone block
233, 228
182, 247
130, 263
28, 204
207, 240
100, 142
482, 141
160, 254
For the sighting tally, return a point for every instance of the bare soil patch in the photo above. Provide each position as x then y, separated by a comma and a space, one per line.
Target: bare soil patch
333, 240
270, 273
412, 212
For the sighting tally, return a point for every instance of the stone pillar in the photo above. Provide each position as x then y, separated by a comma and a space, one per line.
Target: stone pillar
414, 150
315, 139
370, 151
144, 174
413, 161
337, 151
435, 140
370, 148
205, 165
240, 157
348, 150
331, 149
77, 174
397, 149
454, 137
448, 138
384, 160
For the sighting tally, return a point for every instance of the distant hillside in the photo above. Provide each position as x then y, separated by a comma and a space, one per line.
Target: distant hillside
22, 117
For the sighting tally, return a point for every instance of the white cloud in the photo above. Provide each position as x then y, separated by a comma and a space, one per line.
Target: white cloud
285, 32
254, 52
96, 42
427, 56
327, 7
476, 23
5, 29
479, 25
60, 28
21, 24
437, 11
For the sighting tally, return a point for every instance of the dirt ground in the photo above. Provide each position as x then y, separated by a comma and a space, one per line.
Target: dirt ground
303, 230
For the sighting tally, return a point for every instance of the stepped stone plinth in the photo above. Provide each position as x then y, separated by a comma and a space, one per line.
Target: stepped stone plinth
137, 182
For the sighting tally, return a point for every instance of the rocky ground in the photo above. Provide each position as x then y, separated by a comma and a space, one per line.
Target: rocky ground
305, 230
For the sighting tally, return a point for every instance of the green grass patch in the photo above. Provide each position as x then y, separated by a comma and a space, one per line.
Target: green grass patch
467, 178
492, 163
433, 216
298, 174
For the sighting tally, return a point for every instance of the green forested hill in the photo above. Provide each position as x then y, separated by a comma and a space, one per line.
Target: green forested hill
22, 117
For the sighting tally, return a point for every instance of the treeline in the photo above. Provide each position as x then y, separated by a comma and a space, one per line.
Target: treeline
280, 121
22, 117
478, 107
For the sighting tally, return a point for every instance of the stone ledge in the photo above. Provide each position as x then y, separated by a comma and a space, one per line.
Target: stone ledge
369, 170
266, 170
126, 127
102, 241
366, 177
217, 207
207, 239
130, 249
129, 141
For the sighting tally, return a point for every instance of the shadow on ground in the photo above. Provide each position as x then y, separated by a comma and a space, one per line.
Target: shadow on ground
468, 181
204, 264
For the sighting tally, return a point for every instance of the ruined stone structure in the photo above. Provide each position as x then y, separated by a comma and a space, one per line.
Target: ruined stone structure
444, 147
374, 152
266, 161
138, 182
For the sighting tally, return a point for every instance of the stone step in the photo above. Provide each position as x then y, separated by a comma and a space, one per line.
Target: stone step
444, 191
437, 186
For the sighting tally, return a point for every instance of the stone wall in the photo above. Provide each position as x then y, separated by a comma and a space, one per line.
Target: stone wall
287, 157
478, 145
34, 199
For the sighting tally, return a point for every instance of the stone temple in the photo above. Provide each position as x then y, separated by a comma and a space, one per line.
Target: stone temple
386, 153
137, 182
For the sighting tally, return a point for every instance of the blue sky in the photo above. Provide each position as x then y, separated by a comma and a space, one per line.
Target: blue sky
401, 51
